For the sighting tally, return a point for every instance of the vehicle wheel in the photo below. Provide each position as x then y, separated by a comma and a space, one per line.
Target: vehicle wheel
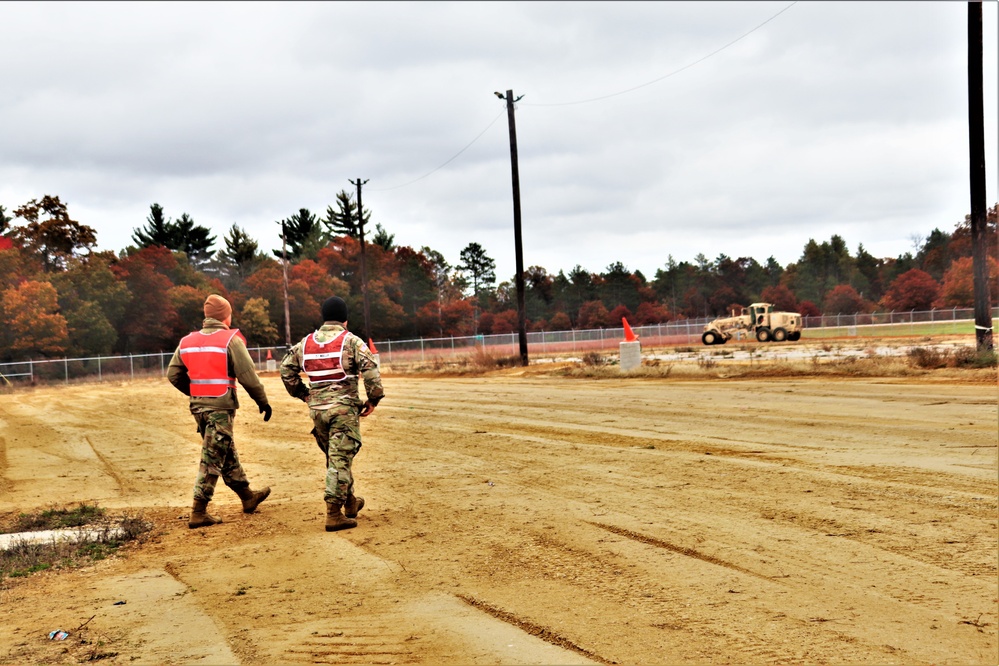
709, 338
780, 335
794, 336
763, 334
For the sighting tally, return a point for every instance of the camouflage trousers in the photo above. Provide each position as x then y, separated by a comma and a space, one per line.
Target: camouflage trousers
338, 432
218, 454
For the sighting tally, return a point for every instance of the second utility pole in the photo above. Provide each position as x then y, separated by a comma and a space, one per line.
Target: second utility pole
521, 315
364, 268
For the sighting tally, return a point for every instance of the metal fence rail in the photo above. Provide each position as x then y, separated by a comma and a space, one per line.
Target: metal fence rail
685, 332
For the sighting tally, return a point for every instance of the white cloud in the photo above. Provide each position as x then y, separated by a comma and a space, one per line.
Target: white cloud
845, 118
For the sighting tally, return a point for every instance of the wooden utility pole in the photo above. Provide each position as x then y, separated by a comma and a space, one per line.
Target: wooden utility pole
515, 171
284, 270
364, 269
976, 137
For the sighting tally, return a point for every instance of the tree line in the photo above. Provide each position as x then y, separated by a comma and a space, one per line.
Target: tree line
59, 296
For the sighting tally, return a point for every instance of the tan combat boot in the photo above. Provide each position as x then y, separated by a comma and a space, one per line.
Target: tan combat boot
252, 498
353, 505
335, 520
200, 517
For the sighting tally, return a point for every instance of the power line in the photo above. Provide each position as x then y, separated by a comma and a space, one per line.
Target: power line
453, 157
586, 101
666, 76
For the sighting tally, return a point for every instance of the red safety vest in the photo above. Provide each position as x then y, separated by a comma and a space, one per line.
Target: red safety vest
206, 357
323, 361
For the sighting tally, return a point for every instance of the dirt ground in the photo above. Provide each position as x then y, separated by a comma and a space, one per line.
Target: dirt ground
522, 518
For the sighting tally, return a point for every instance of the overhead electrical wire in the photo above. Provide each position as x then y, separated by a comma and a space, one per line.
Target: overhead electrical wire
455, 156
587, 101
674, 72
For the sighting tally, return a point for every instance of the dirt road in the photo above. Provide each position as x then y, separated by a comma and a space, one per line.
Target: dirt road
520, 519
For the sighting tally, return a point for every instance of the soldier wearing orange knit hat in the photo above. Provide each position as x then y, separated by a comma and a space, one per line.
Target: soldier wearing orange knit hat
206, 367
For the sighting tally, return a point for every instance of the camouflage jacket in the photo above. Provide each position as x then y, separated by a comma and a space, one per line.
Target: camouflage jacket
240, 366
357, 361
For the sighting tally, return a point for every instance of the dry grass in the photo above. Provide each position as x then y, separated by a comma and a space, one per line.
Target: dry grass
102, 537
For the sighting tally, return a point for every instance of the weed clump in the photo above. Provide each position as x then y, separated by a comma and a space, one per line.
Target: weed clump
98, 537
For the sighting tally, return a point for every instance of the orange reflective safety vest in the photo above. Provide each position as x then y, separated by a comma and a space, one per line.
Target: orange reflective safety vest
323, 361
207, 360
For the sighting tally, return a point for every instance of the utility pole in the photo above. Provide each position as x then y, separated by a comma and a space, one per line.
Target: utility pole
284, 270
515, 172
364, 269
976, 137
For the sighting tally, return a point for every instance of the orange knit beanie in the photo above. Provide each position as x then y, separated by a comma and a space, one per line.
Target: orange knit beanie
217, 307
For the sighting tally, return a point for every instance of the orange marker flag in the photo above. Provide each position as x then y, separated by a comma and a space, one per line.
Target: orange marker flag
629, 335
371, 346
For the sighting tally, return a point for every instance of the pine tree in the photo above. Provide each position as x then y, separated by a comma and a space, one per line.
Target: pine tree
479, 266
302, 235
239, 255
342, 220
158, 230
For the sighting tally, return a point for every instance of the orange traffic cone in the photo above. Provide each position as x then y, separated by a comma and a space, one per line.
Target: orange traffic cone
371, 346
629, 335
269, 357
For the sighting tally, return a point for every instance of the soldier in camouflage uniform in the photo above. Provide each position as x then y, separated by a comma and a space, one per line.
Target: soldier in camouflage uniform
205, 367
332, 358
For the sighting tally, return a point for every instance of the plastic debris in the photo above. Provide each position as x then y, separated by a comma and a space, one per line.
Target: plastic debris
58, 635
118, 603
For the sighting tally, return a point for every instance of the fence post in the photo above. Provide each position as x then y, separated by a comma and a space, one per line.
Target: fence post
131, 366
422, 357
162, 371
573, 341
390, 351
31, 371
100, 376
65, 366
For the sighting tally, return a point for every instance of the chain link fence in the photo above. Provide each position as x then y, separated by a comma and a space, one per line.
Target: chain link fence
954, 321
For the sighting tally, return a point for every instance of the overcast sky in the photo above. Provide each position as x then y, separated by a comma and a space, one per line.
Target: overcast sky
844, 118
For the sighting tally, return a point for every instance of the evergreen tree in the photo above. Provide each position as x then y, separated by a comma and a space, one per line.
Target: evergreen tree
478, 266
158, 230
193, 240
383, 238
238, 259
181, 236
302, 235
4, 220
343, 220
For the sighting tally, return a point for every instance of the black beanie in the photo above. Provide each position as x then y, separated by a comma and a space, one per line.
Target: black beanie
334, 309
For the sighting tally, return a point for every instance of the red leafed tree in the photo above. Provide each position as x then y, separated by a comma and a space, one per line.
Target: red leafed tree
29, 321
650, 313
844, 299
783, 299
619, 313
505, 321
912, 290
808, 309
958, 288
150, 321
592, 314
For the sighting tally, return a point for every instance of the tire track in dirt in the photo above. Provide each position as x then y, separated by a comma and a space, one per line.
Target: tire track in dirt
544, 633
682, 550
125, 486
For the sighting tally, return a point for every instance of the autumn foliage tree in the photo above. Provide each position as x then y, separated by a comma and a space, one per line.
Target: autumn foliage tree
844, 299
30, 324
913, 290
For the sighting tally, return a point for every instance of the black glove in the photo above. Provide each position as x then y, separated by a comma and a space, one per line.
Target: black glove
265, 409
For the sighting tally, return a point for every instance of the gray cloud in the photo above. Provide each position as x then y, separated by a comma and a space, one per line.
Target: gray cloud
833, 118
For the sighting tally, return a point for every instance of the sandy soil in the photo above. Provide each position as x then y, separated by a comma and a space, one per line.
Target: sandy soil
529, 519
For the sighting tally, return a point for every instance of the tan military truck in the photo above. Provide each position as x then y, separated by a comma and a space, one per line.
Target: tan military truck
759, 319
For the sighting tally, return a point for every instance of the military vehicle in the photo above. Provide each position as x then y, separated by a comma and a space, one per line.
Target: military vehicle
758, 319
